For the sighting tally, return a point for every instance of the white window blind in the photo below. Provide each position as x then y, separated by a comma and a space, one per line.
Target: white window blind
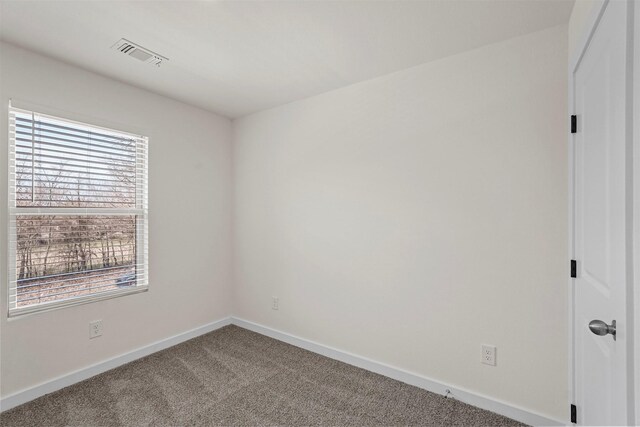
77, 212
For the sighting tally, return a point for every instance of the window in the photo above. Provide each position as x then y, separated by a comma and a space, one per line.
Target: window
77, 212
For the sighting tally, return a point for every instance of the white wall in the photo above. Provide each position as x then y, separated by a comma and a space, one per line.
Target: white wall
582, 10
412, 217
190, 206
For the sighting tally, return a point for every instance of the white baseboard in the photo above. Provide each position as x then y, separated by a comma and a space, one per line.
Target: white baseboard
475, 399
82, 374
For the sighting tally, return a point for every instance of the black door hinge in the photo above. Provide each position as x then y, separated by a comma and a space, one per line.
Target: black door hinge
574, 124
574, 268
574, 414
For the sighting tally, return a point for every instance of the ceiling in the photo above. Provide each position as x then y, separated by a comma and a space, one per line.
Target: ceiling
239, 57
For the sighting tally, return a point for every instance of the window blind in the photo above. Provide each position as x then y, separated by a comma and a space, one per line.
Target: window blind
77, 212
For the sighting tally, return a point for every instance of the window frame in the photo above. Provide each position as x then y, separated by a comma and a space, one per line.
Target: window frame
140, 211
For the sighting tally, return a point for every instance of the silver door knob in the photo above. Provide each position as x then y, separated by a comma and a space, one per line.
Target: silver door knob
598, 327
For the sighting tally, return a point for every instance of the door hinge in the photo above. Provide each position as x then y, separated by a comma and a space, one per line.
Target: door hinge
574, 268
574, 414
574, 124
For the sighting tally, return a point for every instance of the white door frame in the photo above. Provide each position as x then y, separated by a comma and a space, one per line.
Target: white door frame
636, 204
633, 302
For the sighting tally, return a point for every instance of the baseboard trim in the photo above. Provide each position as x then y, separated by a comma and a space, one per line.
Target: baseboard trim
472, 398
475, 399
31, 393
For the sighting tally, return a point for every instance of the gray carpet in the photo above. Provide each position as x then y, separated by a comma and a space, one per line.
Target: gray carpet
236, 377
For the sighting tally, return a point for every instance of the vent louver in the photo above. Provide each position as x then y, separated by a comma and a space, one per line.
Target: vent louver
139, 52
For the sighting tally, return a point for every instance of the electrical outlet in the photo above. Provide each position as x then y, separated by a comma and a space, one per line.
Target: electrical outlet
489, 354
95, 329
275, 303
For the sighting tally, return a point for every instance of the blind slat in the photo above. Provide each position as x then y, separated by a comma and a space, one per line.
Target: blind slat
113, 275
67, 292
68, 171
49, 177
100, 274
63, 163
93, 140
39, 146
82, 130
100, 189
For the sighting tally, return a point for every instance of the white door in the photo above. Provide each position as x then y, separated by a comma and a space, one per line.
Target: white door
602, 230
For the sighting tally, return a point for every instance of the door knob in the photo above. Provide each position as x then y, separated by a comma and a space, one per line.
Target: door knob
598, 327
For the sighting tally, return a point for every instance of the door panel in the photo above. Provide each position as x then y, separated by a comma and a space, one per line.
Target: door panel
600, 221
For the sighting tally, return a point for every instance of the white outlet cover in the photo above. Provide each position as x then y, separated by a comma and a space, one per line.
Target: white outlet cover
95, 329
488, 354
275, 303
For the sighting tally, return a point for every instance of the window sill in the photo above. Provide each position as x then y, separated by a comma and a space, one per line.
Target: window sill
85, 299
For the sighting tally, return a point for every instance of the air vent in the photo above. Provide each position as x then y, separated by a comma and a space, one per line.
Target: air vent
139, 53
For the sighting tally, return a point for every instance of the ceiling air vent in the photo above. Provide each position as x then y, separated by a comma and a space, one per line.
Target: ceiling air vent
138, 52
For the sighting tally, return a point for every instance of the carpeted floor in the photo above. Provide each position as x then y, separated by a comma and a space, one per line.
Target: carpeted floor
236, 377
